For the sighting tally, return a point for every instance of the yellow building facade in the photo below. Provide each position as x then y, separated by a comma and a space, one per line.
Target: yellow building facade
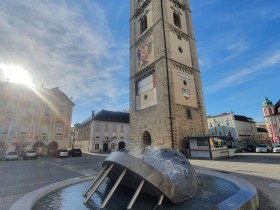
33, 118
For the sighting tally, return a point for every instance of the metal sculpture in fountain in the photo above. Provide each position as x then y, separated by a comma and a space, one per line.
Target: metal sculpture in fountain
163, 173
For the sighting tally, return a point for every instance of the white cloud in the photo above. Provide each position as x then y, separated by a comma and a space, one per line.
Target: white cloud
205, 62
63, 44
235, 48
270, 13
240, 76
239, 46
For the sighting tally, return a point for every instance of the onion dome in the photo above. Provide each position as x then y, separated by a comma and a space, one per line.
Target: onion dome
267, 102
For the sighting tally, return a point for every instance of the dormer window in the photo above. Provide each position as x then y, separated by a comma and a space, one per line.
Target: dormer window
177, 19
143, 24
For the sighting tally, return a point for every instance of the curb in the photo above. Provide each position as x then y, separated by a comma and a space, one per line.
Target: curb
27, 202
97, 154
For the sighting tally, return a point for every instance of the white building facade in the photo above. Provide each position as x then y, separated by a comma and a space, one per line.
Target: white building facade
104, 132
241, 129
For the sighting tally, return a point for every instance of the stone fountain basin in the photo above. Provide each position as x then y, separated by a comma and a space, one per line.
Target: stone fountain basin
244, 195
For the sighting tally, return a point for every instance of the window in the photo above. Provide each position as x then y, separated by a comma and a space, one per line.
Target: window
61, 110
112, 146
177, 19
27, 108
143, 24
203, 142
189, 114
59, 127
44, 129
47, 111
180, 49
24, 127
96, 146
106, 127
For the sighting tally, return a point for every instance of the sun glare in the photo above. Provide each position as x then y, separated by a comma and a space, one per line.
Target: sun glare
16, 74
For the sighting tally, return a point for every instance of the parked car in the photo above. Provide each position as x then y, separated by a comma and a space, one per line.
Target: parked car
237, 149
30, 154
75, 152
263, 148
11, 156
62, 153
276, 148
250, 148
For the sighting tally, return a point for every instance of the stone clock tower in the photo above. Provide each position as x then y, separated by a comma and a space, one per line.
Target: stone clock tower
166, 98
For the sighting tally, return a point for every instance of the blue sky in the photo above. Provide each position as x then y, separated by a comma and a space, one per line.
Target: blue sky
83, 47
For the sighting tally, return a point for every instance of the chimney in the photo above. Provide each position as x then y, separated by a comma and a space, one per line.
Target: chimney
92, 113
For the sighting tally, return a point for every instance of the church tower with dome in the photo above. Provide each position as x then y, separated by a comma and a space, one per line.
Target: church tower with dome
166, 98
271, 114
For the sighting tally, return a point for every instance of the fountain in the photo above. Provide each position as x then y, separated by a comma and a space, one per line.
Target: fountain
157, 172
146, 178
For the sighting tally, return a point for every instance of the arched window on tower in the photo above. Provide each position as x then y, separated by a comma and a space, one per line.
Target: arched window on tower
177, 19
143, 24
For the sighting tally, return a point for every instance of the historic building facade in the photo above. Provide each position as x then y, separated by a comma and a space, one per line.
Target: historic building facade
241, 129
104, 131
34, 118
271, 114
166, 96
263, 134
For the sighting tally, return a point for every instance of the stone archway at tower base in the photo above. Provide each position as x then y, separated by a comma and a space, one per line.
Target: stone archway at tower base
147, 140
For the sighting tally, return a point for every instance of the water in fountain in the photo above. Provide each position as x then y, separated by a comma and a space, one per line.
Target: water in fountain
165, 172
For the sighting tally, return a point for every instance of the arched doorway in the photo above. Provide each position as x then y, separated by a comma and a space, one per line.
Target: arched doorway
40, 148
147, 141
52, 148
121, 145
